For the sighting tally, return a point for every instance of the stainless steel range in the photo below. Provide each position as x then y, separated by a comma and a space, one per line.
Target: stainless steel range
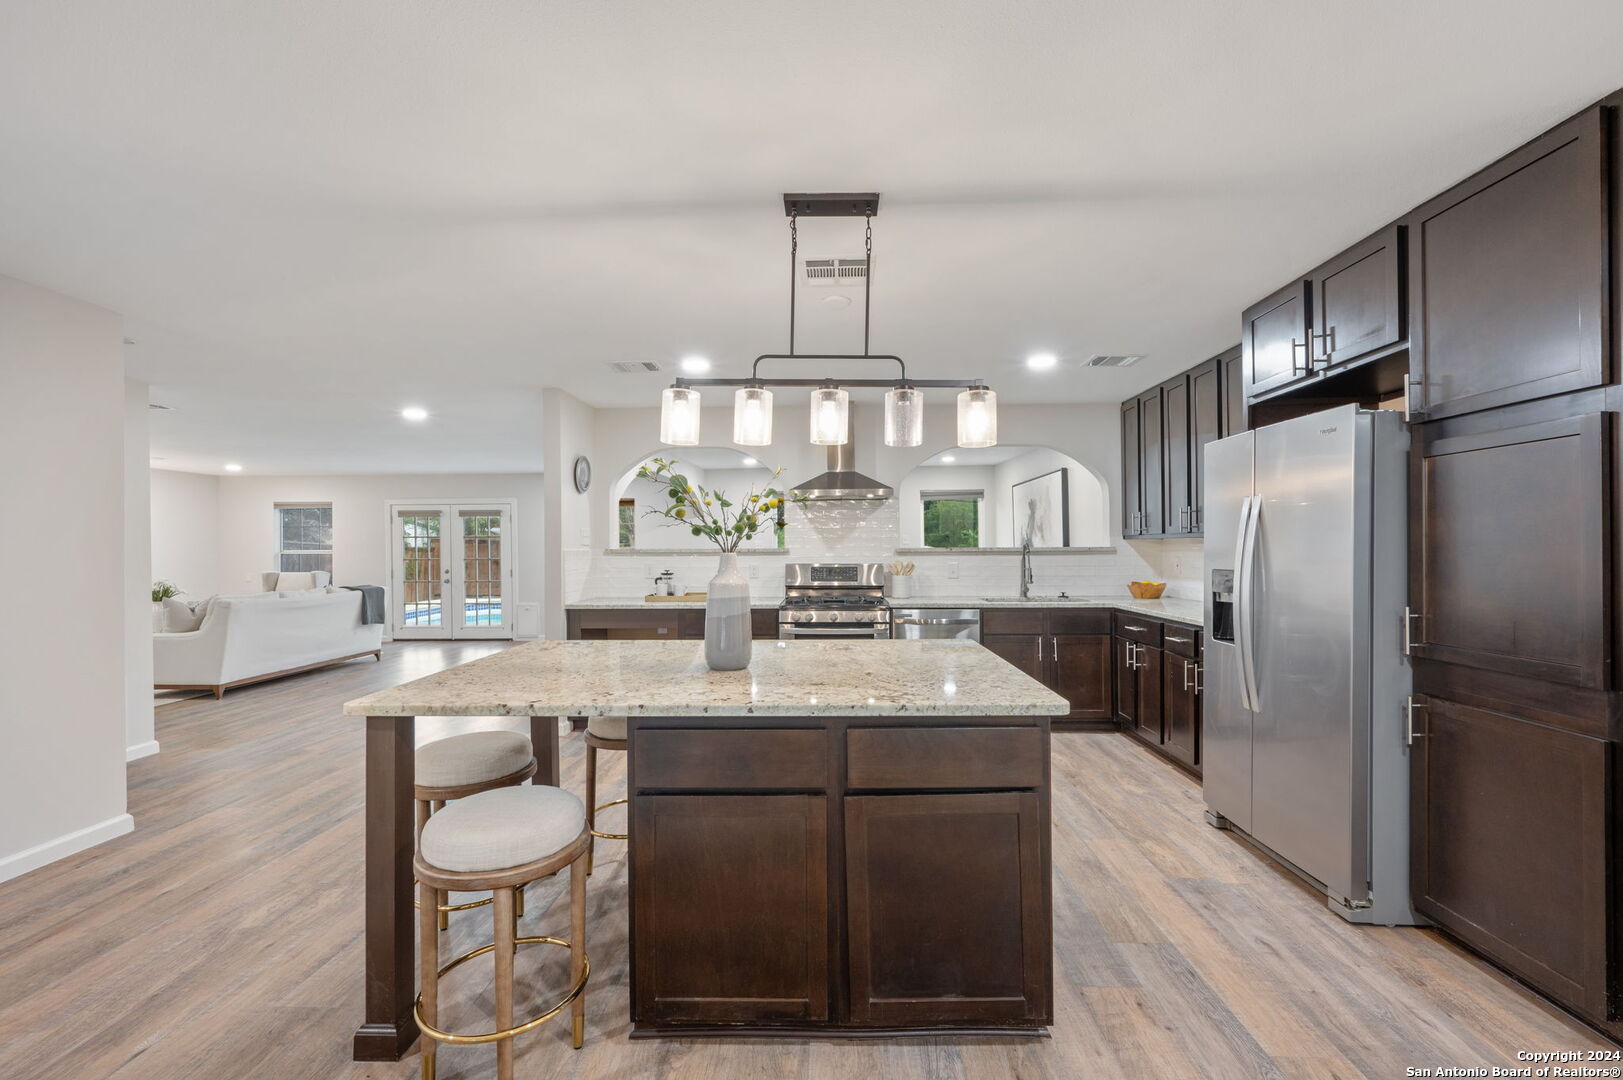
833, 600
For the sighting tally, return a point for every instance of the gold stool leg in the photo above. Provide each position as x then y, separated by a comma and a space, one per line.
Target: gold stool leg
577, 942
505, 948
591, 802
428, 933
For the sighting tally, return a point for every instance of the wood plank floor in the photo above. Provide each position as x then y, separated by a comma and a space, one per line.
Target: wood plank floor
222, 938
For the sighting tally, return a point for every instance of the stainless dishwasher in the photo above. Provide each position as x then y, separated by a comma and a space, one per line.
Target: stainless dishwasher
936, 623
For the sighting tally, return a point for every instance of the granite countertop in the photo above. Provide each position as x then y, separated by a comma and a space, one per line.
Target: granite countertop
1190, 612
669, 678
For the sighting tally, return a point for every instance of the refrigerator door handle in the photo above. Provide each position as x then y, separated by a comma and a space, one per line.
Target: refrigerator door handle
1245, 604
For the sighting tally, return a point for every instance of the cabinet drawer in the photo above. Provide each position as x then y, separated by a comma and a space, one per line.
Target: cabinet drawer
1079, 620
943, 757
678, 759
1183, 640
1012, 621
1138, 628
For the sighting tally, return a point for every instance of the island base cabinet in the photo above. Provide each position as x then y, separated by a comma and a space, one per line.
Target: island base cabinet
1509, 845
977, 951
730, 909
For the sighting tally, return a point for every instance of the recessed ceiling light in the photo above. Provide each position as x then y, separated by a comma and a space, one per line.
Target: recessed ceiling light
947, 459
232, 466
751, 461
414, 413
695, 365
1042, 361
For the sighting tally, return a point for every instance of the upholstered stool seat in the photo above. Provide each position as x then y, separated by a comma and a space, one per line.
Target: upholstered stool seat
612, 728
502, 828
602, 733
475, 758
501, 840
449, 770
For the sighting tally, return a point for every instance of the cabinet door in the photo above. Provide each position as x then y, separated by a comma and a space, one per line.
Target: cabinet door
1082, 674
1205, 425
1126, 680
1512, 541
1132, 482
1231, 368
1024, 651
1274, 340
978, 860
1152, 469
1508, 277
1509, 849
1180, 707
1175, 443
729, 895
1149, 722
1358, 300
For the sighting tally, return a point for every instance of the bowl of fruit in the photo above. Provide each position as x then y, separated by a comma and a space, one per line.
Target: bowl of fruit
1146, 590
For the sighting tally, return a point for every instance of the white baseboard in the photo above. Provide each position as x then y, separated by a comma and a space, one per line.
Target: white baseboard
141, 750
40, 854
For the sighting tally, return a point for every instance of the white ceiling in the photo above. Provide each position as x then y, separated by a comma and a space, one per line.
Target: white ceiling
464, 199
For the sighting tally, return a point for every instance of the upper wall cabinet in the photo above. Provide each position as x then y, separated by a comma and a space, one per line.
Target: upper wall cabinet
1132, 484
1509, 273
1274, 337
1164, 433
1358, 301
1231, 381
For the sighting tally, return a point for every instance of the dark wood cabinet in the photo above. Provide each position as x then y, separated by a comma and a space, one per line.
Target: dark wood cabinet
731, 908
1509, 275
985, 851
1157, 680
1132, 476
1231, 374
1164, 435
1510, 536
1274, 340
1511, 844
1065, 649
643, 624
1152, 464
1148, 719
1358, 300
1180, 707
1125, 676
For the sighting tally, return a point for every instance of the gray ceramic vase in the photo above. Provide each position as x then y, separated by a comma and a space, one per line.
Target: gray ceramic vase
727, 618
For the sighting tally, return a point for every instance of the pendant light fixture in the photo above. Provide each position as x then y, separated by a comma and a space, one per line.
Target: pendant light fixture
830, 400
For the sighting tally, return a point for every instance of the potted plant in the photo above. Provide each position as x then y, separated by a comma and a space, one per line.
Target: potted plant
161, 591
727, 524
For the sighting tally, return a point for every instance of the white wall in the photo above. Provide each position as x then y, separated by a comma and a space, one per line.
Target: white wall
1087, 497
139, 737
569, 430
62, 684
186, 531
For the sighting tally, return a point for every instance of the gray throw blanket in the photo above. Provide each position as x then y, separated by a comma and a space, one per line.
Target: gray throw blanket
371, 602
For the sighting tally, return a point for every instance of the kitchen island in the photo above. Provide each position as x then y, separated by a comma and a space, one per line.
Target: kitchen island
844, 838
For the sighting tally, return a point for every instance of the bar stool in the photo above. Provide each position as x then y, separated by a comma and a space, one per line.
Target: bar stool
464, 765
602, 733
501, 840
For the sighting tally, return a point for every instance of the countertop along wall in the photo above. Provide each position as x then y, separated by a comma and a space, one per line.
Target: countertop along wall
855, 532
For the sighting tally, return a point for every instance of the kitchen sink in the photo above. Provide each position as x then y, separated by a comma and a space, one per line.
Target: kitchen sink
1024, 599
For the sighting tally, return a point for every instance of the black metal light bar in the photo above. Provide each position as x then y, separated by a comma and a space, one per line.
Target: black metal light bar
831, 204
756, 380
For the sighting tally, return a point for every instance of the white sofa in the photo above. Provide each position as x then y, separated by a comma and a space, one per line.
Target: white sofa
247, 639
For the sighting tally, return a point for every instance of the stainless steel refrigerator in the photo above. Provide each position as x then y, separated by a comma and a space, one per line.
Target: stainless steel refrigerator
1303, 731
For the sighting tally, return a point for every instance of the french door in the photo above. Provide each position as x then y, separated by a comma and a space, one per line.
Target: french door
451, 569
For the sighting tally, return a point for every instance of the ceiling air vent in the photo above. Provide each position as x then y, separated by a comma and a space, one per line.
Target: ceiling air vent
155, 405
633, 367
1101, 360
827, 272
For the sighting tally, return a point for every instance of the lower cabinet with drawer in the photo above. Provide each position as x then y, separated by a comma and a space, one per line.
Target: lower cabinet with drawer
1158, 685
1065, 649
864, 873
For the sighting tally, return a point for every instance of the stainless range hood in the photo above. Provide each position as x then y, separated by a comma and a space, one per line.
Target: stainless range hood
842, 482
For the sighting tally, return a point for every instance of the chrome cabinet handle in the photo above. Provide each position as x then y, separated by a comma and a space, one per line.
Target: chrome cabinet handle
1307, 352
1199, 670
1175, 637
1138, 629
1053, 649
1184, 516
1186, 675
1409, 733
1039, 648
1408, 629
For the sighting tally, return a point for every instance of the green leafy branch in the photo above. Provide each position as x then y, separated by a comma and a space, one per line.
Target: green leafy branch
708, 512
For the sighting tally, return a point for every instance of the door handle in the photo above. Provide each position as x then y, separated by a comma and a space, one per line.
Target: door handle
1409, 733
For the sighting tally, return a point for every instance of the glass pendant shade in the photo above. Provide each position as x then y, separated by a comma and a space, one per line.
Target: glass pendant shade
830, 411
904, 417
679, 417
977, 419
752, 416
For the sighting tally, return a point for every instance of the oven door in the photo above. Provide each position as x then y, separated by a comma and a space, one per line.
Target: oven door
829, 631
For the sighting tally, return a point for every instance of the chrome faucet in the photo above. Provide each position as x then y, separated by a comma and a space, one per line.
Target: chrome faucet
1026, 576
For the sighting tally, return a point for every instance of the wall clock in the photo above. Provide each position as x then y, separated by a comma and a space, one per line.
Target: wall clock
583, 474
